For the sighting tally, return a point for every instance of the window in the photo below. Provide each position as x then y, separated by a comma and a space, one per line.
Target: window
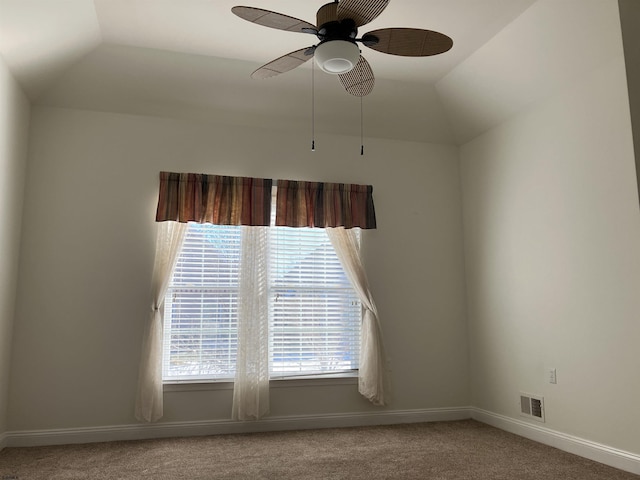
314, 313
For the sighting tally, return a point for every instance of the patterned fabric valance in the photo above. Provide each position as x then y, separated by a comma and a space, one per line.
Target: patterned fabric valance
193, 197
315, 204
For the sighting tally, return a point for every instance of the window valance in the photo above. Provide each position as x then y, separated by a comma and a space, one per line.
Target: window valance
220, 200
316, 204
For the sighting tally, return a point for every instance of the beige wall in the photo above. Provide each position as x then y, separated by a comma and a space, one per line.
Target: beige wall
88, 251
14, 122
552, 246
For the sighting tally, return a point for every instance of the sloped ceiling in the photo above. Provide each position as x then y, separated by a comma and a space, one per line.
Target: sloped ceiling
541, 52
193, 58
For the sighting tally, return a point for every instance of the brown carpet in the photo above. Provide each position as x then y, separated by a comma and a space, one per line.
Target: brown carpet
444, 450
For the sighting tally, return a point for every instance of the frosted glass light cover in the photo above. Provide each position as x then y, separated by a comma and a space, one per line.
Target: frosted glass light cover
337, 56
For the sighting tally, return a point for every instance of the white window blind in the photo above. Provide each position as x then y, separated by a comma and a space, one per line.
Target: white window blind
314, 313
201, 306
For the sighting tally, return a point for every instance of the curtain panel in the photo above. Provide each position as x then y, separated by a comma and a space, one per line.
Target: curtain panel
321, 205
372, 377
251, 384
220, 200
149, 404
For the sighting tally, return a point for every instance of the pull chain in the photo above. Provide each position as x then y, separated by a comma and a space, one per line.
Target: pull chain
361, 111
313, 106
361, 127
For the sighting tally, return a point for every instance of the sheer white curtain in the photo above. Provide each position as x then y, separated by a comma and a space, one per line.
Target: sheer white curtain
251, 387
372, 375
169, 238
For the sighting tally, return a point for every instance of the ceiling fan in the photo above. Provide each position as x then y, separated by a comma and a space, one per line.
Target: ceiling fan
338, 52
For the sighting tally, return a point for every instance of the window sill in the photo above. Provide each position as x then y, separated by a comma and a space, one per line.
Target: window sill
290, 382
325, 380
197, 385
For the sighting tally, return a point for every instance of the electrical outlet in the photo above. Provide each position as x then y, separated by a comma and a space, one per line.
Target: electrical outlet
551, 375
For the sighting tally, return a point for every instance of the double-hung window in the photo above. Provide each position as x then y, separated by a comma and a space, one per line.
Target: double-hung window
314, 313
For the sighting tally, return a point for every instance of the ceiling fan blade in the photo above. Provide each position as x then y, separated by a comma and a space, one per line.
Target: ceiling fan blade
408, 42
361, 11
284, 63
359, 80
267, 18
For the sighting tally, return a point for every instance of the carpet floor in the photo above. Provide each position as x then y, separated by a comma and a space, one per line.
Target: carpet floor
466, 450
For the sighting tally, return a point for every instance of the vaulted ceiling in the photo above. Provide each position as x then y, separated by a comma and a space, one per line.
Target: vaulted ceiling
193, 58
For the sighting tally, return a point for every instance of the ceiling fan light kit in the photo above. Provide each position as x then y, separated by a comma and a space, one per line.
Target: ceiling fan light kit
337, 56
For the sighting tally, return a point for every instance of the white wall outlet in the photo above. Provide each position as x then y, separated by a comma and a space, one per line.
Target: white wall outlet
551, 375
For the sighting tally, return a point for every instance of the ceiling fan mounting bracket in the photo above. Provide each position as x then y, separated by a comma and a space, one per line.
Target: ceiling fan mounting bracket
338, 30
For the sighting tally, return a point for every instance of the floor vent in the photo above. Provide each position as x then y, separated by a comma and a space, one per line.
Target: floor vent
532, 406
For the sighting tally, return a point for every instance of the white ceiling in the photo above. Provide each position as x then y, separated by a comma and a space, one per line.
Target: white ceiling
193, 58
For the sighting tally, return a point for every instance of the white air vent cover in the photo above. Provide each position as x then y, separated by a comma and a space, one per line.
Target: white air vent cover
532, 406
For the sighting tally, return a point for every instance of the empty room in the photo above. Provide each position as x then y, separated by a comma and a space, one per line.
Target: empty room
409, 227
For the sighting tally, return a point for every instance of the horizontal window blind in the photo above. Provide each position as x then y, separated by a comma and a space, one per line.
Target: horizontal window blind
314, 313
200, 335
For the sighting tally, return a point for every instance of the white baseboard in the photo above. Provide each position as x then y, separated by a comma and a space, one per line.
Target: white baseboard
598, 452
3, 441
33, 438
